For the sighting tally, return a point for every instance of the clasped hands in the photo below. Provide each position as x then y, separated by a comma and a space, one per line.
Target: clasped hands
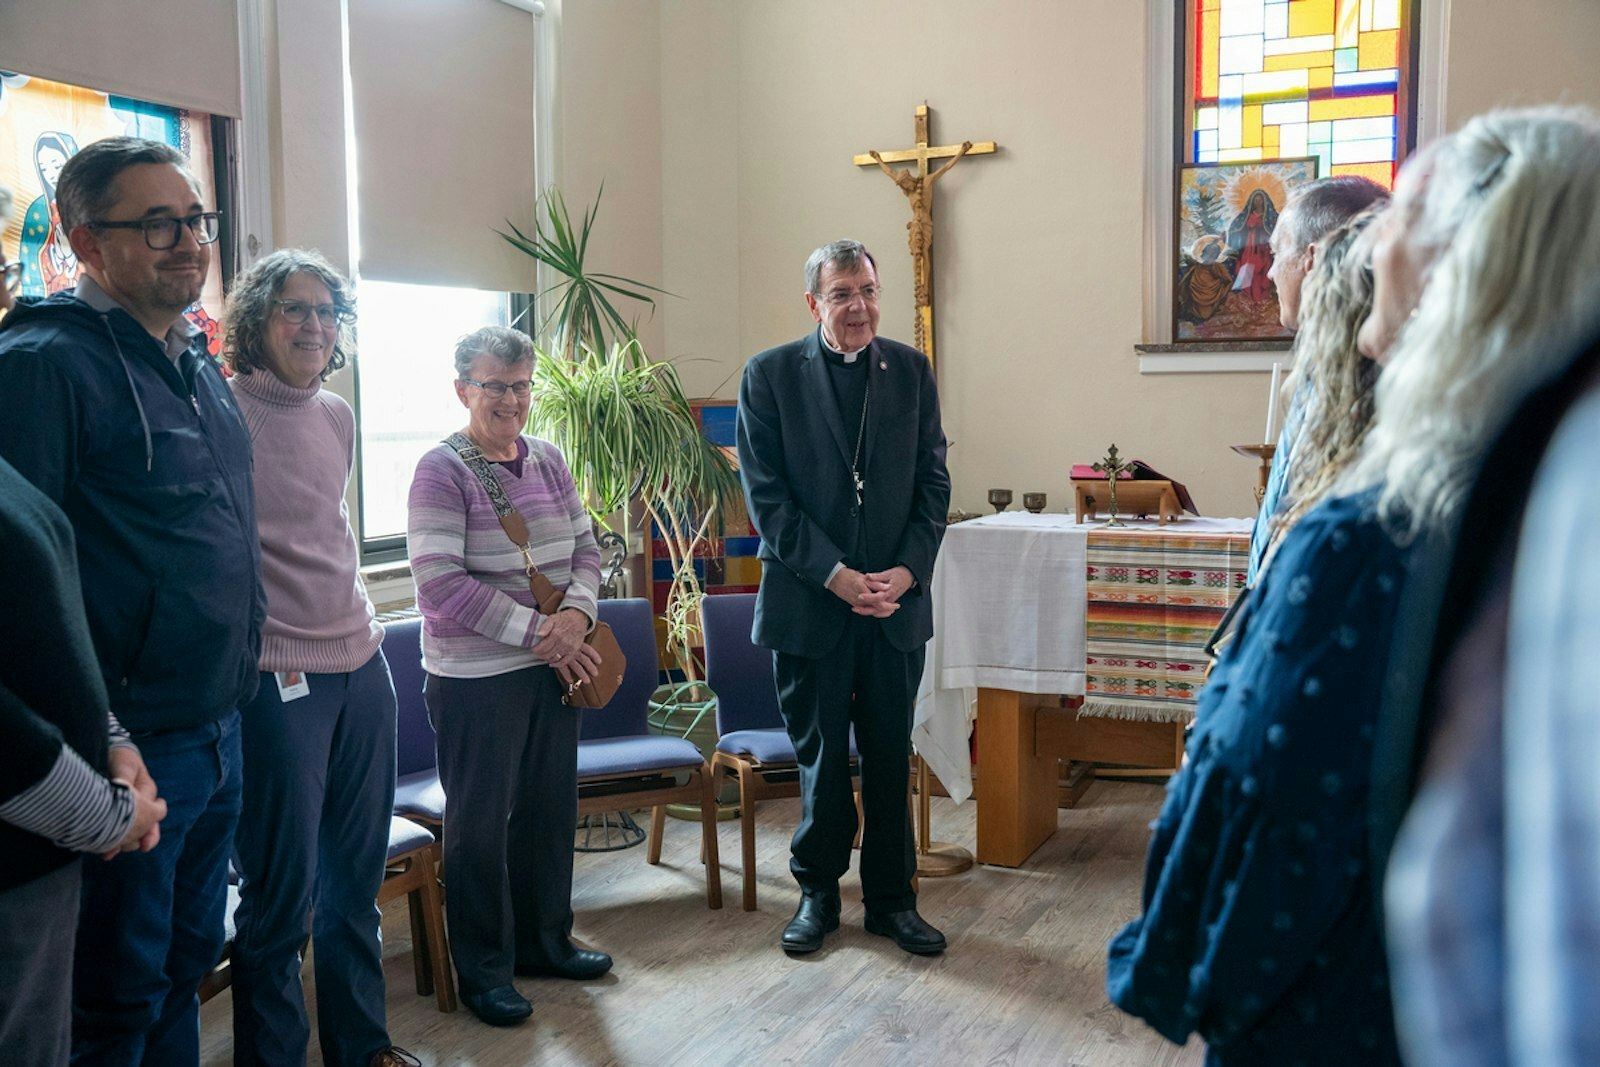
876, 595
561, 643
127, 767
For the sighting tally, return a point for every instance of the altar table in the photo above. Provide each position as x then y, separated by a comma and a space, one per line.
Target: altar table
1031, 609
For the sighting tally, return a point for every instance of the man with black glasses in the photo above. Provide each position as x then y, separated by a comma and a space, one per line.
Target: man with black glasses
113, 407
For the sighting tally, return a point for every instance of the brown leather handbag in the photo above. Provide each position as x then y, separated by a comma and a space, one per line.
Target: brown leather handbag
597, 692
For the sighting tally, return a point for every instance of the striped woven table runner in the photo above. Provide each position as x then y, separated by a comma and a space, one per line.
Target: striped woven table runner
1153, 598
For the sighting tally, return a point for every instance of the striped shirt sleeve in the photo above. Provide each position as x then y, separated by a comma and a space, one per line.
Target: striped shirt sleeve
74, 806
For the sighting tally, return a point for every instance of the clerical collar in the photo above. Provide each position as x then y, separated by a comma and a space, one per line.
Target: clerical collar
848, 357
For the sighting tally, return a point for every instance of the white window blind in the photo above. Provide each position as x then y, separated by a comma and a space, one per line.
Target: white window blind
443, 96
184, 53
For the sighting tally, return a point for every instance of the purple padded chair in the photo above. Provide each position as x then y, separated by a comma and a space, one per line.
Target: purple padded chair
621, 764
753, 745
417, 792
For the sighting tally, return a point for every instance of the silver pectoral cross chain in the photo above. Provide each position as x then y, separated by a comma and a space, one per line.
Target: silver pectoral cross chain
861, 436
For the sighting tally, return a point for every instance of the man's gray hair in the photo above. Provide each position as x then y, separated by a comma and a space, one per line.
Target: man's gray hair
1322, 206
511, 347
844, 256
5, 203
87, 188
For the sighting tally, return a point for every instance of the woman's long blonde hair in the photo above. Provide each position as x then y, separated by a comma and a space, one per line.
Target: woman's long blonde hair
1510, 204
1334, 377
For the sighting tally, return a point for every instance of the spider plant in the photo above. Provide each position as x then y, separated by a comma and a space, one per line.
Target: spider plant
628, 432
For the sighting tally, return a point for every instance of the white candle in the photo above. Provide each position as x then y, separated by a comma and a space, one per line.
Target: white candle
1272, 404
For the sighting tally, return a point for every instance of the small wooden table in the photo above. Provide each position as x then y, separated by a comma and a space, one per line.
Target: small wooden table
1115, 620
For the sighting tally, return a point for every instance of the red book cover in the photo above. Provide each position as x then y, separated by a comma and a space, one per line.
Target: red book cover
1139, 469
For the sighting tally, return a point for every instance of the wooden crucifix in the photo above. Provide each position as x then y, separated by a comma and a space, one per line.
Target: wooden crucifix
917, 184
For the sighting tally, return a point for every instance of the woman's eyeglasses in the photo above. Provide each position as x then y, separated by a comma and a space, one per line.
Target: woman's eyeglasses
296, 312
498, 389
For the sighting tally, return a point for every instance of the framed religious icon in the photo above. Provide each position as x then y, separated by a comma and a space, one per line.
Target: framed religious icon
1226, 213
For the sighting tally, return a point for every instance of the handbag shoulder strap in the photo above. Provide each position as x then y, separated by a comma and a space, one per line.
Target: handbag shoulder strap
511, 520
545, 594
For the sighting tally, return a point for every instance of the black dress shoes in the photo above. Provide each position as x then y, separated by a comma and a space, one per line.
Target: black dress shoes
501, 1006
909, 930
817, 916
582, 966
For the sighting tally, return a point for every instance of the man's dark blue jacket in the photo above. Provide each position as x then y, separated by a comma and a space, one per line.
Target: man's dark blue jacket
151, 463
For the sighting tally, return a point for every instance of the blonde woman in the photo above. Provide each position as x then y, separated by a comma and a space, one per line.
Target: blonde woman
1259, 928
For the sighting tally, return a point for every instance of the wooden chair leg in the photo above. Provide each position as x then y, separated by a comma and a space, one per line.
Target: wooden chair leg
708, 839
747, 836
658, 823
861, 820
438, 947
421, 958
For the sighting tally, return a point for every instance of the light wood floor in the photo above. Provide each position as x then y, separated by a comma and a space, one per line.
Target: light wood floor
1022, 983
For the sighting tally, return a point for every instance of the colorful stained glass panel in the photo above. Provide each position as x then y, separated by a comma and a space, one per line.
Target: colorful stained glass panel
1270, 76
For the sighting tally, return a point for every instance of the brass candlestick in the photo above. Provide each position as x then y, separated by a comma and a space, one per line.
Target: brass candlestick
1262, 453
1112, 466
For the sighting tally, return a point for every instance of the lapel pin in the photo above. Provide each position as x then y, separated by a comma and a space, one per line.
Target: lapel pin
883, 365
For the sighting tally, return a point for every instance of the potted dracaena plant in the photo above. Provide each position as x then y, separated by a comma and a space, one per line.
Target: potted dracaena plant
627, 430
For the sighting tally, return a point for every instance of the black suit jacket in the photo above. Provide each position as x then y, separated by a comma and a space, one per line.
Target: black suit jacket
794, 460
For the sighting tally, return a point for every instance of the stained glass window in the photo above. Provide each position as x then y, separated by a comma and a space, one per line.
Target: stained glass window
1280, 79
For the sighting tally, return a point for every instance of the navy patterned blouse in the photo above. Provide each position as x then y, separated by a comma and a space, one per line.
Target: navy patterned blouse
1258, 929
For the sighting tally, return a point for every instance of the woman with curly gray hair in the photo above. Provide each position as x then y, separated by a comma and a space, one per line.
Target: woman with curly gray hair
319, 738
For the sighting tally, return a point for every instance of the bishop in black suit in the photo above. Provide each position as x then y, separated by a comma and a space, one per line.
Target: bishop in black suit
842, 455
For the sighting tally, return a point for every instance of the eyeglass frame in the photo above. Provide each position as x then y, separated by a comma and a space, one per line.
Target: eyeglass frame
498, 390
12, 275
339, 312
870, 293
215, 218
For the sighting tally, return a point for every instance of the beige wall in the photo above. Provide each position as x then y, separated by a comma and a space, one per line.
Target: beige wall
1530, 52
609, 122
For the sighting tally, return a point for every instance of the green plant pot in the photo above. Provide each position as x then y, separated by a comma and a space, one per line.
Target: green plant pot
689, 710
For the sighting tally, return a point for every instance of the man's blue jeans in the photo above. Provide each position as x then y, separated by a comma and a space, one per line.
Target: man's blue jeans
151, 923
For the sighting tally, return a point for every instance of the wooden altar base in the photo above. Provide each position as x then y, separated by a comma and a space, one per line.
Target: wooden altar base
1022, 737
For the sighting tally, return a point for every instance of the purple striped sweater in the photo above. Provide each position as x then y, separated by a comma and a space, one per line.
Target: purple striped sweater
478, 617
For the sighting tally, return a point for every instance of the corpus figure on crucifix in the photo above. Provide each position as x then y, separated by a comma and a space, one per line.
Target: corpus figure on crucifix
919, 191
917, 183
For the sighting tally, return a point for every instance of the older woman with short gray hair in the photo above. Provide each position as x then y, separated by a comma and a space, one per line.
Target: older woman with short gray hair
496, 671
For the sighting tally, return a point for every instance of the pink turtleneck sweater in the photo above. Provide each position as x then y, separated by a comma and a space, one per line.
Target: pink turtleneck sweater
318, 616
